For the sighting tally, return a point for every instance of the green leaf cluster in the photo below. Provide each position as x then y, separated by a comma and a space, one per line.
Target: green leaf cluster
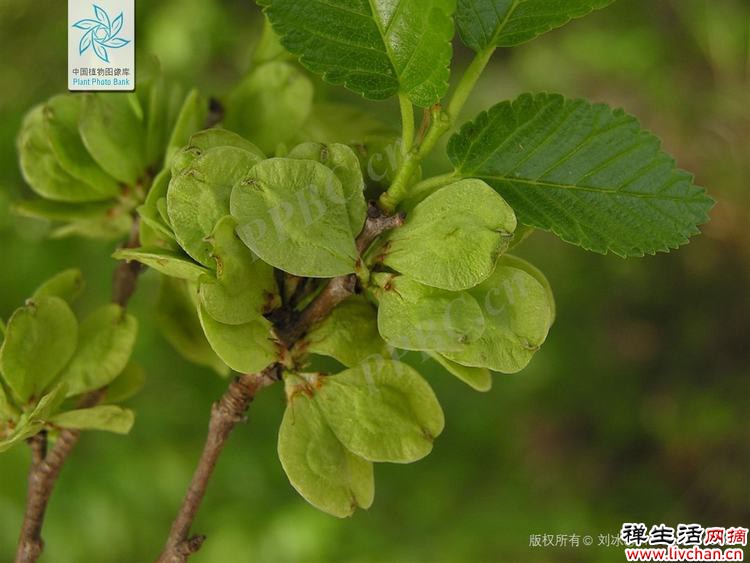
48, 359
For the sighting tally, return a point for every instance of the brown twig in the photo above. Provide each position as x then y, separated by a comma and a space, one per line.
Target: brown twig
231, 408
376, 224
338, 289
126, 274
226, 413
46, 466
42, 478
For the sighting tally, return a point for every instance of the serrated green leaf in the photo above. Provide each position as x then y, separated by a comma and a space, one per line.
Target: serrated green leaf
61, 117
246, 348
63, 211
536, 273
244, 286
109, 418
505, 23
177, 317
345, 164
479, 379
517, 316
292, 214
167, 262
318, 466
413, 316
40, 167
382, 411
114, 135
452, 239
192, 118
378, 48
270, 105
269, 47
198, 197
349, 334
586, 172
67, 285
127, 384
41, 338
105, 342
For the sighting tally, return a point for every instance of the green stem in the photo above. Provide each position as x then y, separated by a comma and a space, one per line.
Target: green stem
442, 121
431, 183
469, 81
407, 123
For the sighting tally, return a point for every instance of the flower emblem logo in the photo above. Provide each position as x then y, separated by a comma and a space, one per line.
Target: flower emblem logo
101, 34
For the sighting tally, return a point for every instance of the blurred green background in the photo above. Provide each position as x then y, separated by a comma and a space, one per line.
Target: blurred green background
635, 410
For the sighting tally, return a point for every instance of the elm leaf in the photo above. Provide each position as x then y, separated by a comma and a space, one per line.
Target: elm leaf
246, 348
518, 314
417, 317
505, 23
270, 105
244, 286
292, 213
318, 466
586, 172
377, 49
67, 285
40, 339
349, 334
105, 342
167, 262
452, 239
101, 417
382, 410
198, 197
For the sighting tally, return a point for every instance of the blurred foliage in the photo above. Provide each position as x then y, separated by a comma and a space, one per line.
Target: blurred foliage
635, 410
